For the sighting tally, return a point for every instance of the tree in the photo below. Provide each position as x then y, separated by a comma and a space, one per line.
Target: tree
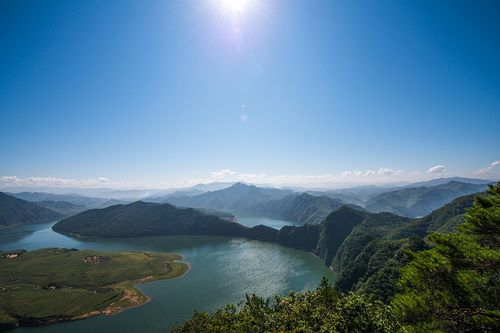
455, 285
323, 310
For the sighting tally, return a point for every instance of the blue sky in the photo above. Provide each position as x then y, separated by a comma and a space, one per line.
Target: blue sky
166, 93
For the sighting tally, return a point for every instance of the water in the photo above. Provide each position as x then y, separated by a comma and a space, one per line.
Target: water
253, 221
222, 271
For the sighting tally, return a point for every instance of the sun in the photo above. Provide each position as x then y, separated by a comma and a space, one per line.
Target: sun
234, 6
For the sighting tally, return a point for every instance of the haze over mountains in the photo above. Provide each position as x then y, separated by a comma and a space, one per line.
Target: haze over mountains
366, 250
310, 207
313, 206
16, 211
365, 245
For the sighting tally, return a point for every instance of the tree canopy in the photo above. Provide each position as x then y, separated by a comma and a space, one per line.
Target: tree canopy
455, 285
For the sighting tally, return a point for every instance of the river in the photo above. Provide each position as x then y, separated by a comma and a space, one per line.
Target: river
222, 271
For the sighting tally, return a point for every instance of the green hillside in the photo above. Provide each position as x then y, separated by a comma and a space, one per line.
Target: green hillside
16, 211
421, 201
443, 283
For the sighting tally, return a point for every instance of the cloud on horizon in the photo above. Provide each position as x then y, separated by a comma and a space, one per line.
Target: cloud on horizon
493, 168
14, 181
437, 169
381, 175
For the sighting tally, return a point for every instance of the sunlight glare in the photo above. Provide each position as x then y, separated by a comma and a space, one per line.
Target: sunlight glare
234, 6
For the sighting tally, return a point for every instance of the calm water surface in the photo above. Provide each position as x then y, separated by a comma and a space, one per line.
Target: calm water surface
222, 271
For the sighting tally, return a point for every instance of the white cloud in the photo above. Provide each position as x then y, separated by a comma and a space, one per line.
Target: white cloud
489, 169
350, 174
388, 171
370, 173
14, 181
436, 169
382, 175
222, 173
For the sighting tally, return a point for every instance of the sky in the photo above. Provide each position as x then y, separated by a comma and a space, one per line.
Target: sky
171, 93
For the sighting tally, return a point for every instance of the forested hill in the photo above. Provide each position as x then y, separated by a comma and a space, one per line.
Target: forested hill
146, 219
17, 211
447, 282
365, 249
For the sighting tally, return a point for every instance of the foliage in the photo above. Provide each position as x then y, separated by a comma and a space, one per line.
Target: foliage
455, 286
321, 310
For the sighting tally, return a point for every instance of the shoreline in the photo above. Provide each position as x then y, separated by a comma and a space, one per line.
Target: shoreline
130, 293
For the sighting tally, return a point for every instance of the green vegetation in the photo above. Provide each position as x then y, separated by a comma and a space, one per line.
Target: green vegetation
371, 257
451, 284
322, 310
365, 250
146, 219
17, 211
51, 285
300, 208
455, 285
420, 201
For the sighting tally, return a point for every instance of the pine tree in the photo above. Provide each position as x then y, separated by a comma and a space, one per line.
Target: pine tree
455, 286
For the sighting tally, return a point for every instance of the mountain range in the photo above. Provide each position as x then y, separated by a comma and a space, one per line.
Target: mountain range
420, 201
313, 206
16, 211
366, 250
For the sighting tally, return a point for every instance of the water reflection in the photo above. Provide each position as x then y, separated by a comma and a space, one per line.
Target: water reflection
222, 271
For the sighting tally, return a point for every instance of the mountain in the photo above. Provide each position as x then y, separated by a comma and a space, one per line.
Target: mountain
359, 193
345, 198
365, 250
146, 219
250, 200
89, 202
62, 207
234, 199
370, 258
300, 208
187, 191
441, 181
16, 211
420, 201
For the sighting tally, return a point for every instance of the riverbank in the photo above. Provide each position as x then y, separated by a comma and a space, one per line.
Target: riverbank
54, 285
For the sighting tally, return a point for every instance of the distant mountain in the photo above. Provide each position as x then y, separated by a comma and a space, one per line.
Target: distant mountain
249, 200
300, 208
444, 219
16, 211
112, 202
187, 192
210, 187
62, 207
365, 250
420, 201
341, 197
441, 181
359, 194
74, 199
235, 199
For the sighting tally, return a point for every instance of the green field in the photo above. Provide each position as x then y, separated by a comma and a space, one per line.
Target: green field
50, 285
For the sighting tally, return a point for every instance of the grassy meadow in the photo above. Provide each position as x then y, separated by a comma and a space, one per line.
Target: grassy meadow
51, 285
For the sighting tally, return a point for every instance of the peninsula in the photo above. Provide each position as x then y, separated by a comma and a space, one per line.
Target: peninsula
52, 285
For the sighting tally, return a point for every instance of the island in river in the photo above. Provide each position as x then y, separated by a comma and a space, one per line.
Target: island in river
52, 285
